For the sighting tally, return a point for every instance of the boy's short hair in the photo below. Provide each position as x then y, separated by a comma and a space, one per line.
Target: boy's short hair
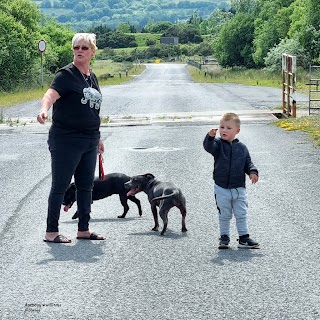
230, 116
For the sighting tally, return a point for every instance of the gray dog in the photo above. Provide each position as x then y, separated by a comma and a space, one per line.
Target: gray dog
164, 195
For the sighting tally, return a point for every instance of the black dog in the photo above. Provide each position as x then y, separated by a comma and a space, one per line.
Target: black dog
113, 183
165, 195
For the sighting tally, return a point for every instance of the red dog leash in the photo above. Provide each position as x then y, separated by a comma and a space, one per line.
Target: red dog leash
101, 170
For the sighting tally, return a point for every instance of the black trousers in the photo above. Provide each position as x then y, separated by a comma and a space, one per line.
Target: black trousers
71, 156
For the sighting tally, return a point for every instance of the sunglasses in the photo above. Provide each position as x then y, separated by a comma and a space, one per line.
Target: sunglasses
83, 48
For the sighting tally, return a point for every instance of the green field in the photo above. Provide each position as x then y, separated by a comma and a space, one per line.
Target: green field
127, 51
141, 38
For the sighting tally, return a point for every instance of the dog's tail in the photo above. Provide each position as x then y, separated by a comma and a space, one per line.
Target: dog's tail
166, 196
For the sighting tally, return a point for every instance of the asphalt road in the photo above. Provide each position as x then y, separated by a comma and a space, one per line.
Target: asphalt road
136, 273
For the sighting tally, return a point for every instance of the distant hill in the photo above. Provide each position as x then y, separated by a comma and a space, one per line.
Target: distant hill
86, 13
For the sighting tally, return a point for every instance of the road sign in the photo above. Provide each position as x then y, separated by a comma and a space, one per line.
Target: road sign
42, 46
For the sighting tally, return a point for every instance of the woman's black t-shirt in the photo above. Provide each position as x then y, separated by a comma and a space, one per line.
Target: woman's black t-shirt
77, 110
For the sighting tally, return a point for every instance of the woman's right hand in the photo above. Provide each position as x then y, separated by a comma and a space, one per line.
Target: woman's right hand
49, 98
42, 116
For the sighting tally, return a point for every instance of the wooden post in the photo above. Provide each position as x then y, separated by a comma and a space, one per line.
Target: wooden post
294, 108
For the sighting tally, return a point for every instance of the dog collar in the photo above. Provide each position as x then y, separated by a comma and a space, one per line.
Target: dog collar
149, 183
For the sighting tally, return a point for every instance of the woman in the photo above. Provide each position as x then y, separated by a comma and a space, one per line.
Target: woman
74, 136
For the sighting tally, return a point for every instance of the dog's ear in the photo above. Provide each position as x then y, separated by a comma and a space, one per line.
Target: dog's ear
149, 175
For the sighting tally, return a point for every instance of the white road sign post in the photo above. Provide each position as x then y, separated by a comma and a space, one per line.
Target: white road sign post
42, 48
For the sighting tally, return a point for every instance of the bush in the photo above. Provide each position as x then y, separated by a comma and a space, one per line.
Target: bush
150, 42
273, 60
118, 58
105, 54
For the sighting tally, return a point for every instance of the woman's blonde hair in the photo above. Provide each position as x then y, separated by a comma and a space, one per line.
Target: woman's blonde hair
88, 37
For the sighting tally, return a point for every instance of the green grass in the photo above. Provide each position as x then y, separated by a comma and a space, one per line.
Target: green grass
251, 77
103, 67
127, 71
127, 51
20, 96
216, 74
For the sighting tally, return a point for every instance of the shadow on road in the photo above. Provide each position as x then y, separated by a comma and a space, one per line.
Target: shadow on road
240, 255
169, 234
83, 251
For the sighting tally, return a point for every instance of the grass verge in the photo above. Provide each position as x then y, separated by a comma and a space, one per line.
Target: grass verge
20, 96
310, 125
250, 77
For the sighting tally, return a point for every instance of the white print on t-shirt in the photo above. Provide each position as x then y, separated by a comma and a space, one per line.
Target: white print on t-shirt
93, 96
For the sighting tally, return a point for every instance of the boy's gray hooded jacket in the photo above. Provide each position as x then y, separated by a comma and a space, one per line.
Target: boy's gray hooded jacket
232, 162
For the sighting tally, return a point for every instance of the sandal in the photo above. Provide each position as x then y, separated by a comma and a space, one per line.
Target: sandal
59, 239
93, 236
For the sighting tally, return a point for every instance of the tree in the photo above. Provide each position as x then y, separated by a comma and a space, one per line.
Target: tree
26, 13
195, 19
314, 13
159, 27
233, 46
189, 33
308, 30
282, 20
204, 49
298, 18
214, 23
123, 27
243, 6
18, 42
271, 25
121, 40
99, 30
310, 41
305, 26
58, 38
186, 33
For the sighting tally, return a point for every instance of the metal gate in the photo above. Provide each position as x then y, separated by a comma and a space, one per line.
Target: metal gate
314, 89
289, 85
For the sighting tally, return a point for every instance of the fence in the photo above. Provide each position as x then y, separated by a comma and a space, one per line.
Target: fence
314, 89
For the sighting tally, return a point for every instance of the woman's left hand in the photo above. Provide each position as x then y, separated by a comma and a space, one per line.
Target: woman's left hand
100, 147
